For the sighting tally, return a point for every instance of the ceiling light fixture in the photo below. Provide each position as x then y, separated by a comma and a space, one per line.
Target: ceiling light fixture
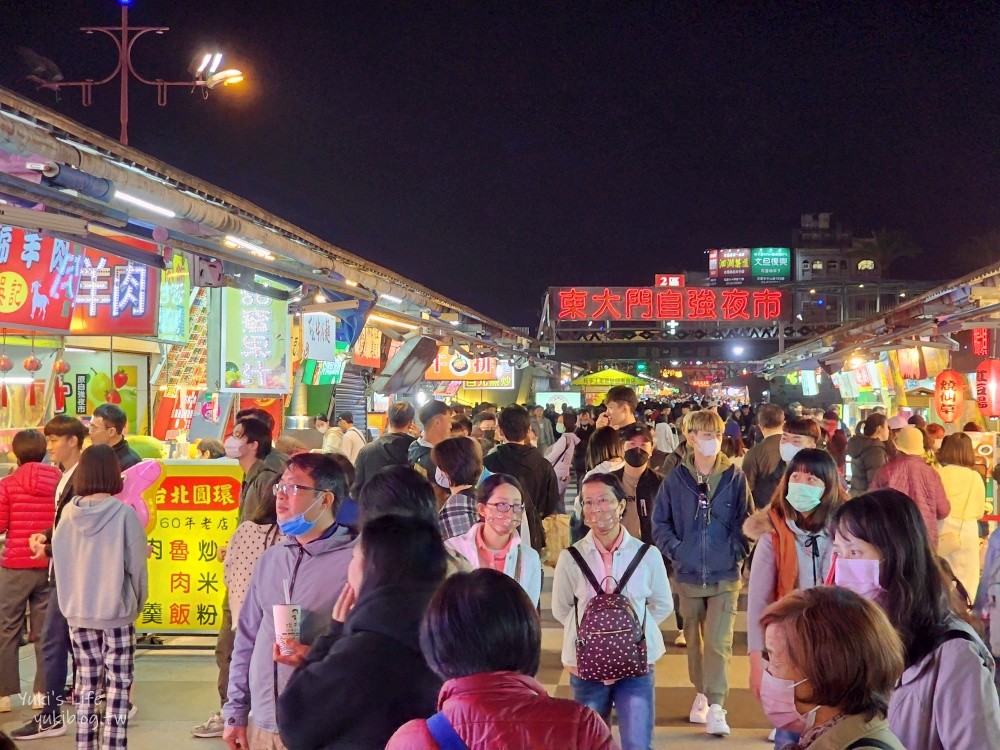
250, 247
135, 201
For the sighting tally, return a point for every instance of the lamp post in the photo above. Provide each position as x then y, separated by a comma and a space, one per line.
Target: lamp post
207, 76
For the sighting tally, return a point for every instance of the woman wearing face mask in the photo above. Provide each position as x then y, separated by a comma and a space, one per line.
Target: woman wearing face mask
494, 542
868, 452
833, 660
958, 534
605, 455
793, 550
946, 697
609, 550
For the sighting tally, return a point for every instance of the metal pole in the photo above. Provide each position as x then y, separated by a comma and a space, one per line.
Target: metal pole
123, 52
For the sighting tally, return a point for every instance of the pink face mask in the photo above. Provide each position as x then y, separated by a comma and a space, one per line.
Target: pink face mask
860, 576
778, 699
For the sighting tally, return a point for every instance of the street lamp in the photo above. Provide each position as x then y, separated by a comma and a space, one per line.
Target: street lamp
207, 76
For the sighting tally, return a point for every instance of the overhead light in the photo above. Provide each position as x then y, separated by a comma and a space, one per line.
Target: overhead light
250, 247
391, 322
320, 297
738, 350
204, 63
216, 62
135, 201
454, 322
812, 291
18, 380
902, 295
390, 298
225, 77
674, 363
861, 286
350, 283
79, 350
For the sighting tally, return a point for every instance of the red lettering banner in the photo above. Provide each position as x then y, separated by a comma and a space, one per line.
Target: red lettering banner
742, 305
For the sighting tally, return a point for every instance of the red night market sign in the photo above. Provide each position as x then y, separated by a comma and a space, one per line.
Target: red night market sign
693, 304
981, 342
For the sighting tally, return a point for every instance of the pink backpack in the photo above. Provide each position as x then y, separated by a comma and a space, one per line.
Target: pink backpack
610, 640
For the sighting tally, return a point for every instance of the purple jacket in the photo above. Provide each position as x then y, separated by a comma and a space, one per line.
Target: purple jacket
947, 700
913, 476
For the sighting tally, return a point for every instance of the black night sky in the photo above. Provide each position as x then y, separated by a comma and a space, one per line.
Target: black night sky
489, 150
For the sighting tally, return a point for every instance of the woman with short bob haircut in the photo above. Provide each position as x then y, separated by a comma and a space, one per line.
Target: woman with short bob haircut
482, 635
368, 668
834, 659
459, 462
946, 698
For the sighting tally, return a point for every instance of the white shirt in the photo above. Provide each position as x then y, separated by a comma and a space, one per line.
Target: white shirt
352, 444
64, 480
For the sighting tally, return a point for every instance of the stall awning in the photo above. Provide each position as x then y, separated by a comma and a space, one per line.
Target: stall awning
607, 379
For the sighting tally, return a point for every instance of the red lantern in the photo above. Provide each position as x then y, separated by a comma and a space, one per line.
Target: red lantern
949, 396
988, 387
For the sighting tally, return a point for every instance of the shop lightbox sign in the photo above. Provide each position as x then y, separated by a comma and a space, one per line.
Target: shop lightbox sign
651, 304
175, 301
115, 297
319, 337
448, 366
504, 380
256, 335
38, 280
744, 265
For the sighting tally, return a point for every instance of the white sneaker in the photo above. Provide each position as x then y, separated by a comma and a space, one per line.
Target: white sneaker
214, 727
699, 710
680, 640
716, 721
5, 706
770, 737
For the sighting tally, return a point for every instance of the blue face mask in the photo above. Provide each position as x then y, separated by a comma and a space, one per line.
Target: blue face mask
298, 525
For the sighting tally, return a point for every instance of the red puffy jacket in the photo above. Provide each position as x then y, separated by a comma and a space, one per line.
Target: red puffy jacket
503, 710
27, 506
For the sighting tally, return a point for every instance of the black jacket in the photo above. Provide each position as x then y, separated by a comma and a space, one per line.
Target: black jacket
764, 468
389, 450
645, 498
580, 453
127, 458
538, 479
363, 679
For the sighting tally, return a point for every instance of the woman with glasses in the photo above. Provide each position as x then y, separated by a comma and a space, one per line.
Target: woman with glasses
494, 541
609, 552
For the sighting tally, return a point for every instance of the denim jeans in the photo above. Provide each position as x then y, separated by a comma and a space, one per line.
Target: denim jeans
56, 648
634, 699
783, 737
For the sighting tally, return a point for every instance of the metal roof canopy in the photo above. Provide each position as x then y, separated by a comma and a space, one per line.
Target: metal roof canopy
29, 129
949, 308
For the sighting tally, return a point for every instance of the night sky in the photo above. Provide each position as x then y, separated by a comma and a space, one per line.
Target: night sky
490, 150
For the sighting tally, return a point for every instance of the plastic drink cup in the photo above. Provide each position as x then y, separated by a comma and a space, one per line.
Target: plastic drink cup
287, 625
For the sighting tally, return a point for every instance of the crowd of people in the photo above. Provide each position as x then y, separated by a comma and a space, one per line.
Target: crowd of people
388, 593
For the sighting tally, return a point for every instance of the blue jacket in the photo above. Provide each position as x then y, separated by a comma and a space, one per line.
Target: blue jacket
704, 547
317, 573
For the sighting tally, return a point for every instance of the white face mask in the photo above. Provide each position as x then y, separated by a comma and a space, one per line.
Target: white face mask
440, 478
788, 451
708, 446
560, 428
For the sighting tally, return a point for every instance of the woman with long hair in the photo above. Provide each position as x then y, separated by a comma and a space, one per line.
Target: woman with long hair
946, 697
794, 549
958, 534
398, 564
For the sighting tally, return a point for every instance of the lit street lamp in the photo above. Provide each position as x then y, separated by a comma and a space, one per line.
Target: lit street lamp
207, 75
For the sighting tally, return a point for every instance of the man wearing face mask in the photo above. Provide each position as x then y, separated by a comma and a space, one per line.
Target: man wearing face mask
484, 429
697, 523
640, 482
798, 433
250, 445
309, 569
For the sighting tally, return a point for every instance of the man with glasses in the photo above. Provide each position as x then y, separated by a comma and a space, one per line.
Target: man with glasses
310, 569
107, 427
698, 524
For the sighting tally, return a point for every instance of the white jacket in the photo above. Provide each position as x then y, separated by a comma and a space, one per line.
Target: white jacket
352, 443
531, 565
648, 590
666, 437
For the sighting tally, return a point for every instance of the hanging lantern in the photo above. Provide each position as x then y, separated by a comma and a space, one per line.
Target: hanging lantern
949, 396
988, 387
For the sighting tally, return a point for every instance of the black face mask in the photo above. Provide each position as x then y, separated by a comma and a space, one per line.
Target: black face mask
490, 434
636, 457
